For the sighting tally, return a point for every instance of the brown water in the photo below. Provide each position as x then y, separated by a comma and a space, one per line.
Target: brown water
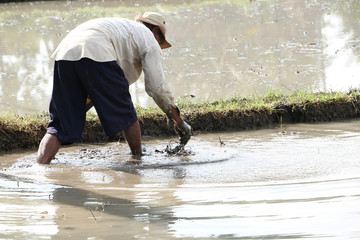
257, 185
220, 48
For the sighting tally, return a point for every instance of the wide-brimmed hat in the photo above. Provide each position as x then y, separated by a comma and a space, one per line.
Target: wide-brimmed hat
155, 19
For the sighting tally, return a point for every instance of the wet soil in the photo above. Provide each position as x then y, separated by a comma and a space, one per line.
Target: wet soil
174, 148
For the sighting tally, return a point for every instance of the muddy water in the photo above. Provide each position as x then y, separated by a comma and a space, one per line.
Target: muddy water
302, 183
220, 48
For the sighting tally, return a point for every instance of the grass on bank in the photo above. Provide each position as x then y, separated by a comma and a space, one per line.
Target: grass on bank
17, 122
267, 101
26, 131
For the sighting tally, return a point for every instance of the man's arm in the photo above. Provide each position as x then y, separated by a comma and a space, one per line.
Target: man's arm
157, 88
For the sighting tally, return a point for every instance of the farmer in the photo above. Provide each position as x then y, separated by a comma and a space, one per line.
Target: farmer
98, 60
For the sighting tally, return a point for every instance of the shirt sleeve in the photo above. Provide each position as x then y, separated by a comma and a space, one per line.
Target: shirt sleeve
155, 84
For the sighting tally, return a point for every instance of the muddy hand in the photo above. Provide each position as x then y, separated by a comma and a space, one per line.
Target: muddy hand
184, 131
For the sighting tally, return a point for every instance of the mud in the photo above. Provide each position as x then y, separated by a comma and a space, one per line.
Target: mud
174, 148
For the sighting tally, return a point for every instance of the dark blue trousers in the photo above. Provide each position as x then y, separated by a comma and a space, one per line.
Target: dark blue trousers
108, 89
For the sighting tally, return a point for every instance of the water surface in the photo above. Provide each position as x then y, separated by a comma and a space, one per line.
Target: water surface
256, 185
220, 48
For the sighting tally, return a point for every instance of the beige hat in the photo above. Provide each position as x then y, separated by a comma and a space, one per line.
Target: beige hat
155, 19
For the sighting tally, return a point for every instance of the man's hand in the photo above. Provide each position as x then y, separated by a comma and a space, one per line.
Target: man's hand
181, 127
184, 131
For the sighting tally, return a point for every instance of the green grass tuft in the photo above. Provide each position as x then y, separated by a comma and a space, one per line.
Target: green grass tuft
237, 113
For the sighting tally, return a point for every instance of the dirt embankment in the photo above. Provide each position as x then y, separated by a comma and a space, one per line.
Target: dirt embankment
19, 132
251, 119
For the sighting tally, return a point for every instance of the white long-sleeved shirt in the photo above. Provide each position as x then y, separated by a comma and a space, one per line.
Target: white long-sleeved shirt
131, 44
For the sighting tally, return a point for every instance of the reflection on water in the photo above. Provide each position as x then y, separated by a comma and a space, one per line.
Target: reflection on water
220, 48
303, 184
26, 212
276, 211
342, 69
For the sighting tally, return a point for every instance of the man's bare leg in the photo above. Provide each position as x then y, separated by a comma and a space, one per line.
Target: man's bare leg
48, 148
133, 138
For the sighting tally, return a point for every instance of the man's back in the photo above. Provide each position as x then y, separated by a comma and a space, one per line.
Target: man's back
109, 39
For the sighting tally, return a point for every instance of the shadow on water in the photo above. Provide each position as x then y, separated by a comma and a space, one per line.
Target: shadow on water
134, 211
94, 204
155, 220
